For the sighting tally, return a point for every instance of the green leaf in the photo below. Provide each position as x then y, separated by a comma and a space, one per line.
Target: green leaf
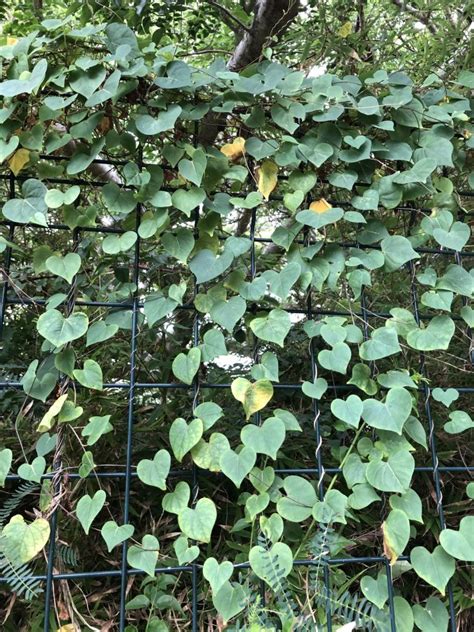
230, 600
396, 533
97, 427
228, 313
265, 439
48, 419
317, 219
236, 465
392, 475
165, 121
272, 328
207, 455
445, 396
433, 617
186, 200
349, 410
331, 509
21, 542
117, 200
6, 456
197, 523
410, 503
33, 471
297, 505
193, 170
217, 574
272, 564
267, 368
66, 267
59, 330
315, 389
99, 332
205, 266
390, 415
397, 251
144, 557
115, 244
13, 87
460, 544
88, 508
155, 472
213, 345
31, 208
435, 568
185, 366
176, 501
337, 359
184, 437
179, 245
254, 396
375, 590
55, 198
115, 534
208, 413
361, 378
455, 238
90, 376
383, 342
460, 421
437, 335
282, 282
420, 172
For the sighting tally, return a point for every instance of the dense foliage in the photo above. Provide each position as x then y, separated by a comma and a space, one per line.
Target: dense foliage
228, 357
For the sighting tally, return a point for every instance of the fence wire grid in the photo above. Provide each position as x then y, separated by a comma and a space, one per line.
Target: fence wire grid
132, 386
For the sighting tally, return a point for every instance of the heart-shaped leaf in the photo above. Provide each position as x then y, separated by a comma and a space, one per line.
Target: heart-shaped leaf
90, 376
144, 557
59, 330
31, 208
319, 217
89, 507
186, 365
155, 472
114, 244
396, 533
272, 328
445, 396
433, 617
392, 475
375, 590
33, 471
236, 465
193, 170
460, 543
185, 553
390, 415
176, 501
437, 335
230, 600
337, 359
253, 396
115, 534
460, 421
208, 455
315, 389
184, 437
198, 523
297, 505
349, 410
228, 313
217, 574
66, 267
383, 342
21, 542
455, 238
272, 564
265, 439
186, 200
436, 568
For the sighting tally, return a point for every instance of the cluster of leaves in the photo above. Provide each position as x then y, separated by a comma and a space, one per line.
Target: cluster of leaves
142, 263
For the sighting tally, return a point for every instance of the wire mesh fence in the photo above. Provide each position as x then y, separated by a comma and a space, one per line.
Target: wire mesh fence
131, 388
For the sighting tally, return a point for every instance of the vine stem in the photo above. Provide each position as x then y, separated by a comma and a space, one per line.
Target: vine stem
330, 486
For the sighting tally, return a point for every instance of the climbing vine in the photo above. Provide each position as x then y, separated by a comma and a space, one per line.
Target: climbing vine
227, 359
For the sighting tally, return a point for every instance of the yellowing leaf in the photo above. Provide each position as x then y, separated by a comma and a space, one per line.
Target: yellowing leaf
19, 159
48, 418
235, 149
68, 627
320, 206
11, 41
254, 396
267, 176
345, 30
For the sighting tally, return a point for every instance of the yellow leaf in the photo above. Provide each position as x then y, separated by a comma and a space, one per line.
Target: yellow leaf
254, 396
11, 41
19, 159
48, 418
267, 176
235, 149
345, 30
320, 206
68, 627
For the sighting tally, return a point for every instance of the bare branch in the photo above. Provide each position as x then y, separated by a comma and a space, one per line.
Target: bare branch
404, 6
229, 14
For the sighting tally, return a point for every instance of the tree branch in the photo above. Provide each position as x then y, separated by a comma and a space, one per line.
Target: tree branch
229, 14
404, 6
